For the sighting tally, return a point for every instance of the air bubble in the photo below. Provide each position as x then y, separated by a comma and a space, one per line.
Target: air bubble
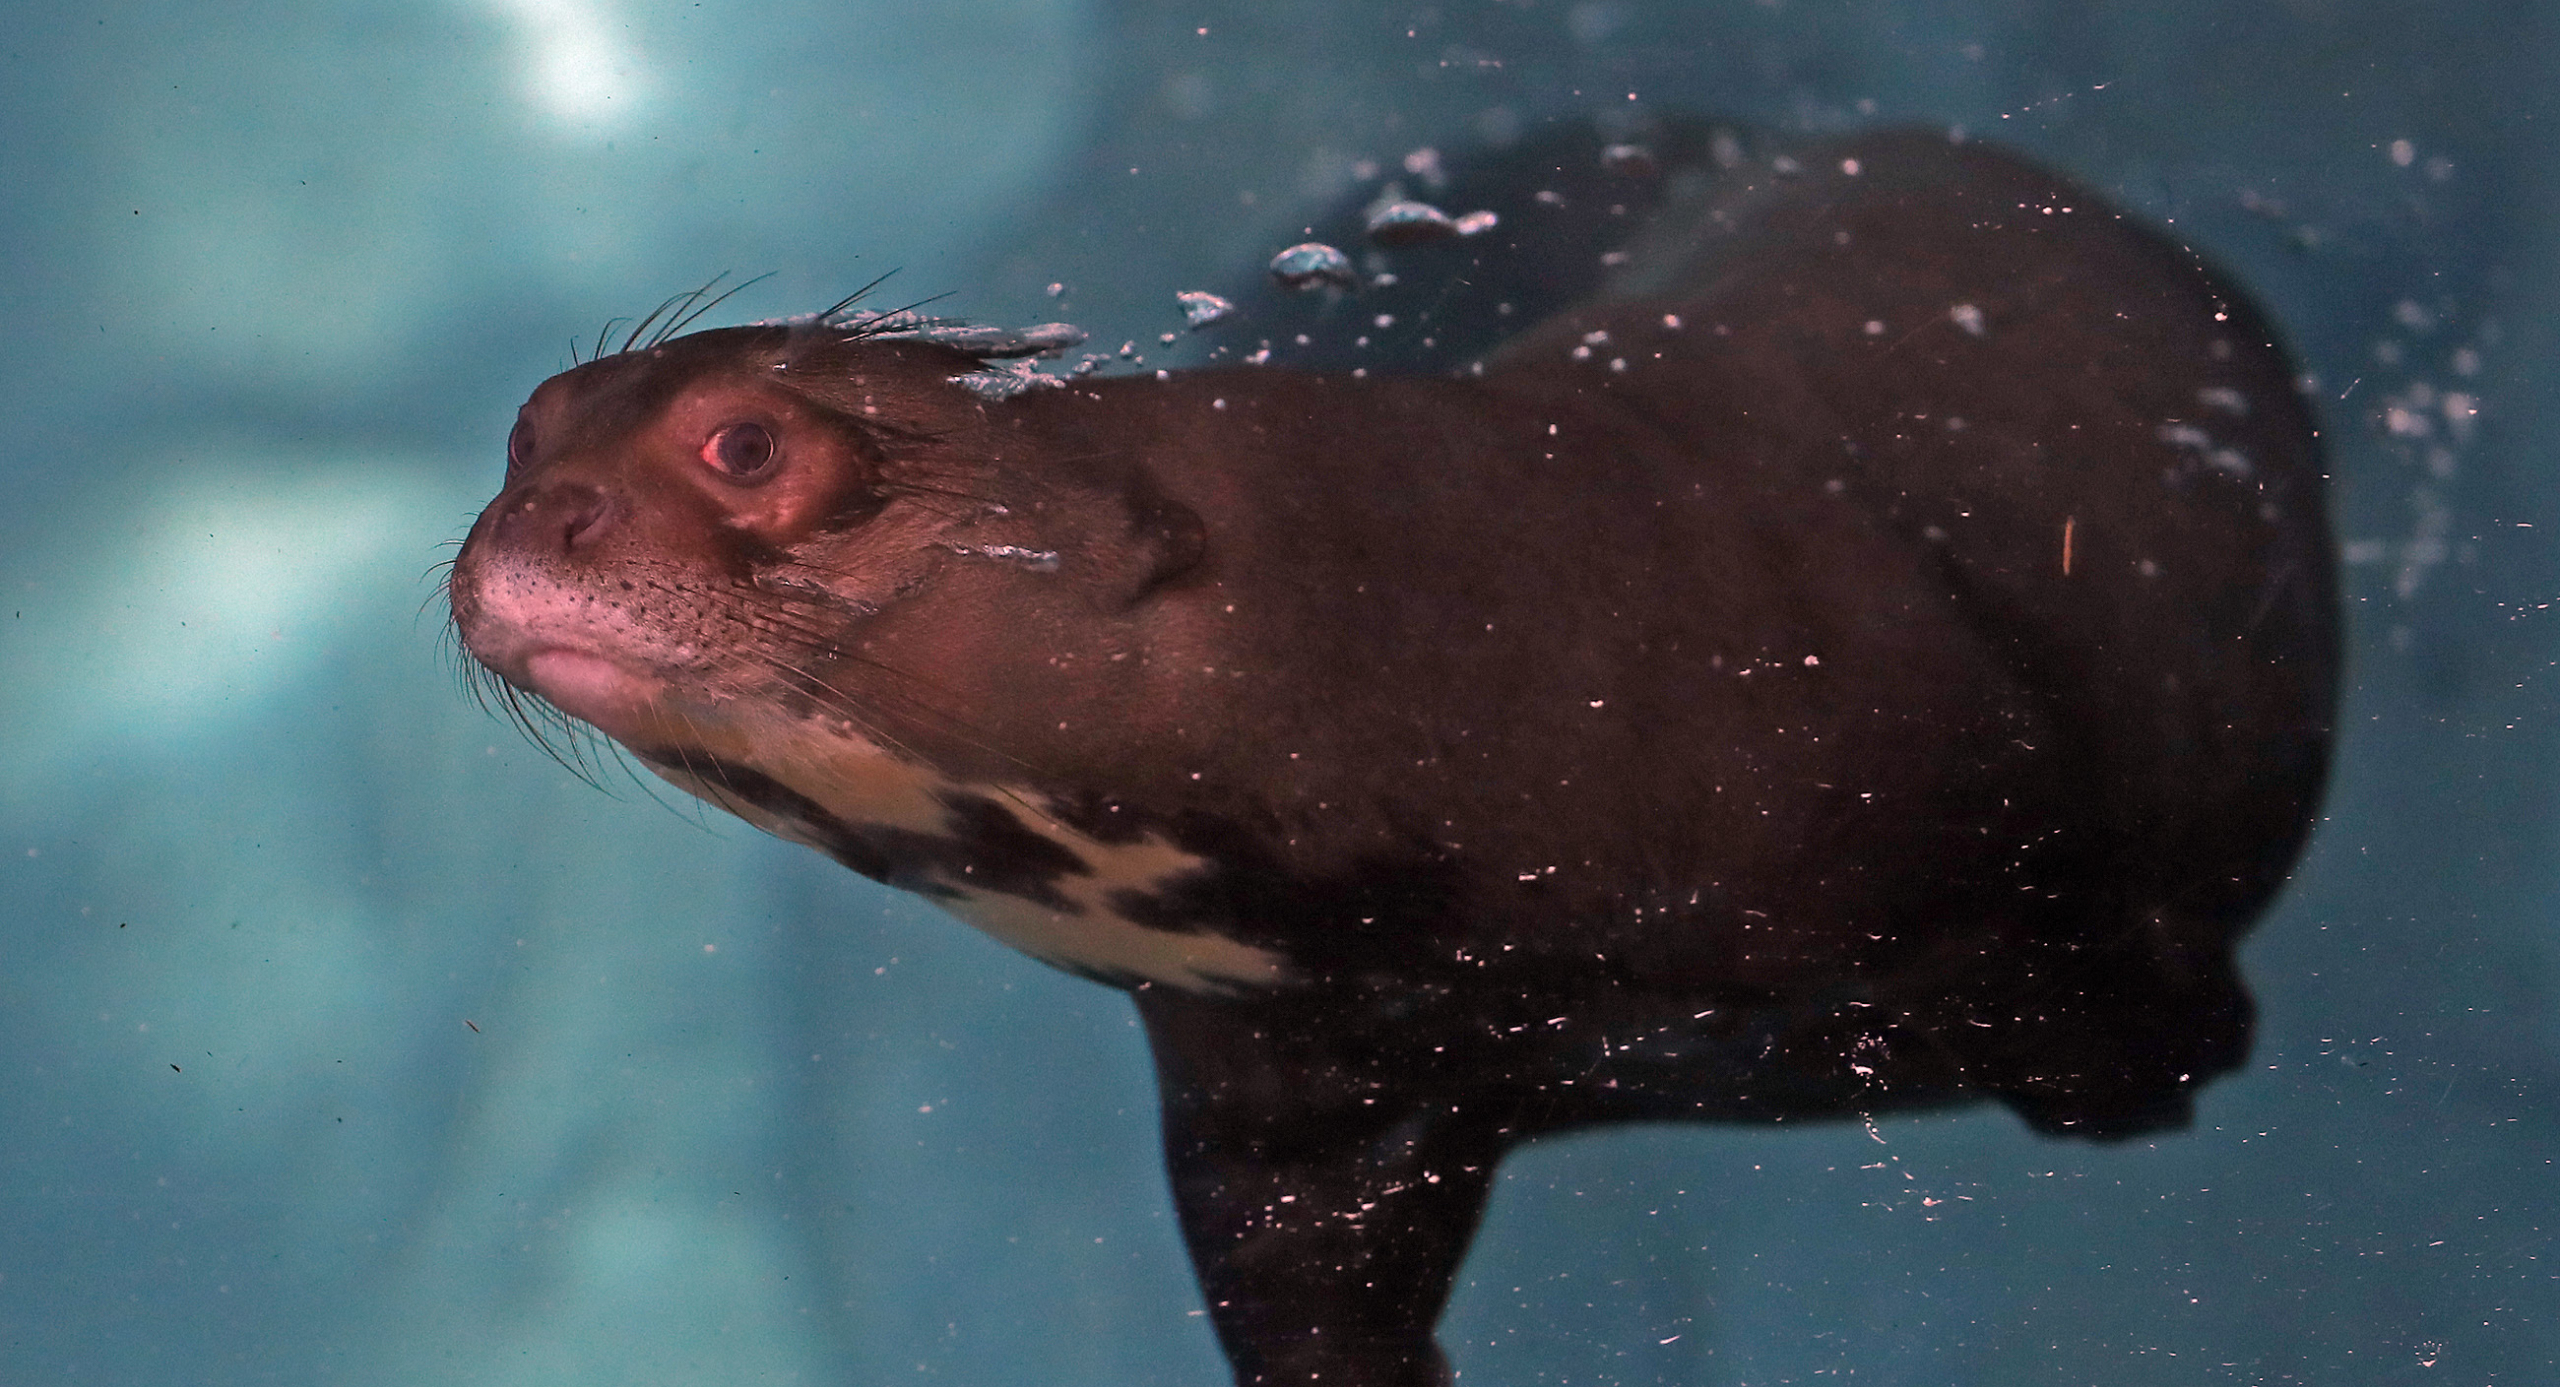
1200, 308
1311, 263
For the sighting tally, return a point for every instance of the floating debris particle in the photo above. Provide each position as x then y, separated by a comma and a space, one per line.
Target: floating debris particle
1968, 317
1311, 263
1201, 308
1476, 223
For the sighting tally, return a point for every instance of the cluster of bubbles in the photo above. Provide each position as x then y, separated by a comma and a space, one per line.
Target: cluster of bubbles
2418, 396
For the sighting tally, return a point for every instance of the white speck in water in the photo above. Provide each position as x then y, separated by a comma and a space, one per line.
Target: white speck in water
1874, 327
1849, 167
1476, 223
1968, 317
2403, 153
1671, 321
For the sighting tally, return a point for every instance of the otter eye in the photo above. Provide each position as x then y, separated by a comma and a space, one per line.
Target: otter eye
519, 446
744, 452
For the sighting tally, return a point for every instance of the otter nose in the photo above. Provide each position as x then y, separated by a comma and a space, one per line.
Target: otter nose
560, 516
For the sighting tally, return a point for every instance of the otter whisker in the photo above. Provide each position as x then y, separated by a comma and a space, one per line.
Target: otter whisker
855, 297
529, 712
673, 303
677, 325
604, 337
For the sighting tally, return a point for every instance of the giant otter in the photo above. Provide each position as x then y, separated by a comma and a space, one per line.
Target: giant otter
1870, 645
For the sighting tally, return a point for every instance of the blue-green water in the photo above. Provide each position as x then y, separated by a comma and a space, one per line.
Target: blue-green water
344, 1038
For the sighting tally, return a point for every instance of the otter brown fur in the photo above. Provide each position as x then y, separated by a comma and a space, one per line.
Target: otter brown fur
1875, 648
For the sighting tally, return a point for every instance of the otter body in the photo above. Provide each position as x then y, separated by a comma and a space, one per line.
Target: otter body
1874, 647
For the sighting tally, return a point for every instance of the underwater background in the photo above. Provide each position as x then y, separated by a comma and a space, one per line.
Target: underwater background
347, 1038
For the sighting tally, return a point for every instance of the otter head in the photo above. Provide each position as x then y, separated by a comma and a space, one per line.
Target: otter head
812, 575
755, 521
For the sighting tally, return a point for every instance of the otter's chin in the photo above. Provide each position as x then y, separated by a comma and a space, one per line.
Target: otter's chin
592, 689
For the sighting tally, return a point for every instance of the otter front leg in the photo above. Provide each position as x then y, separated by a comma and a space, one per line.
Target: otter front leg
1326, 1194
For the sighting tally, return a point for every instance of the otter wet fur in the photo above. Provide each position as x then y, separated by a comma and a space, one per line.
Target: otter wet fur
1867, 642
